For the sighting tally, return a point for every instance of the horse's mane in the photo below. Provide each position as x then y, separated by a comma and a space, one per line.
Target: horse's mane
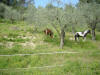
85, 31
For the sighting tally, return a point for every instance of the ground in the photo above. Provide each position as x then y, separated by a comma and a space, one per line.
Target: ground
19, 38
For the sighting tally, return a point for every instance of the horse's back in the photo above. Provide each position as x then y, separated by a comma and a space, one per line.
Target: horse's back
48, 32
80, 33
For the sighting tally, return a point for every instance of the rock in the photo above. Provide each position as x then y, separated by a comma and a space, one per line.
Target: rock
15, 28
5, 36
1, 44
71, 38
9, 44
28, 44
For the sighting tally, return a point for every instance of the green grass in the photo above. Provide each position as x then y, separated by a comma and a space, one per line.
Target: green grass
87, 62
98, 37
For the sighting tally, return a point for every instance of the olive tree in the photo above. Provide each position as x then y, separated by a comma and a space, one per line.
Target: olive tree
91, 12
30, 15
41, 18
11, 14
2, 9
36, 17
76, 20
59, 19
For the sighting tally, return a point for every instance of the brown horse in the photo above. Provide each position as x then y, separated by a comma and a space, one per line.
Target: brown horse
48, 32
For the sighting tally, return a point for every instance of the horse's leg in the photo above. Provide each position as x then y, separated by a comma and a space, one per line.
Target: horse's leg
78, 38
46, 32
50, 35
75, 38
84, 38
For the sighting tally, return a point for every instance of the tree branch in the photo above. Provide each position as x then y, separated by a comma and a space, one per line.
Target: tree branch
56, 29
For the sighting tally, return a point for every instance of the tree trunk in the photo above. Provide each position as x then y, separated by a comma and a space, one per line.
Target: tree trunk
73, 30
62, 36
93, 34
56, 29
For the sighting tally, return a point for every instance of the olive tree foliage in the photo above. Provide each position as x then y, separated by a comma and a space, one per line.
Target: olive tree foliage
41, 18
36, 16
9, 13
90, 1
49, 6
91, 13
30, 15
76, 19
2, 9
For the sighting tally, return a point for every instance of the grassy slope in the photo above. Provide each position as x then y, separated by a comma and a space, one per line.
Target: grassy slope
85, 63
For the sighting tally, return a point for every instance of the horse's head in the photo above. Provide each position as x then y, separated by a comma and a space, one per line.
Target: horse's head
48, 32
89, 31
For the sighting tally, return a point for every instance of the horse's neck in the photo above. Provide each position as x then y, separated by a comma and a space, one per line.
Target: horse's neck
85, 33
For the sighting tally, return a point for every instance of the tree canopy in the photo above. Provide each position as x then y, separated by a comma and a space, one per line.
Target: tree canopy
90, 1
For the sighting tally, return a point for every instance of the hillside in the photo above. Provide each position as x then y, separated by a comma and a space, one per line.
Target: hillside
34, 53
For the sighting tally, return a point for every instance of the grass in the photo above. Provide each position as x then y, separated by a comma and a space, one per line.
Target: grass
87, 62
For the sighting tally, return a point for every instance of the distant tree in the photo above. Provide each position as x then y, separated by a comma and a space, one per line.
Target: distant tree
11, 14
15, 4
6, 2
29, 2
12, 3
2, 10
30, 15
75, 18
91, 12
41, 18
90, 1
49, 6
36, 16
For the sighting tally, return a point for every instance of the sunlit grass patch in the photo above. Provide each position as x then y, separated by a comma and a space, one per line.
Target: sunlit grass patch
76, 68
98, 37
13, 40
54, 40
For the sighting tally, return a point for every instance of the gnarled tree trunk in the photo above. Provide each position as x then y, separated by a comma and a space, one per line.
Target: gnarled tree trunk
62, 36
93, 27
93, 34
